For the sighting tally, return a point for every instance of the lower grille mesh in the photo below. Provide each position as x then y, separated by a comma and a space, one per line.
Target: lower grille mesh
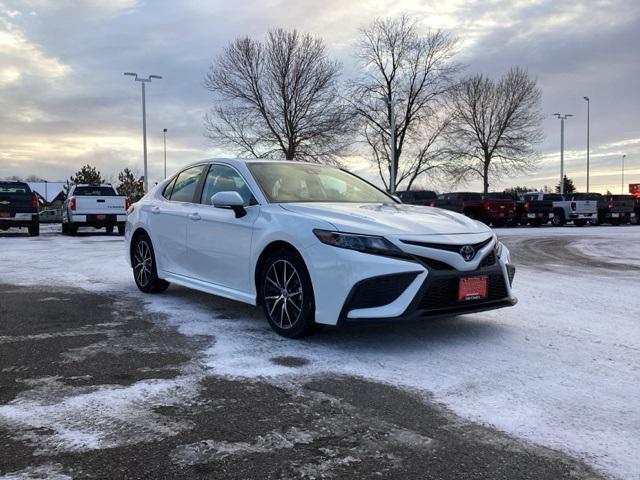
443, 292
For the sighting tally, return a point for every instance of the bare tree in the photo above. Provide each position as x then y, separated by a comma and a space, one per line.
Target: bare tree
495, 126
404, 77
278, 98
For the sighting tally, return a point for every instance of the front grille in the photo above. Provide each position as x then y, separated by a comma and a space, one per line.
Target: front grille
379, 291
489, 260
446, 246
443, 292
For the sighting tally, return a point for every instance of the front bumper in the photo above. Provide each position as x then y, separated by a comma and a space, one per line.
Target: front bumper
356, 288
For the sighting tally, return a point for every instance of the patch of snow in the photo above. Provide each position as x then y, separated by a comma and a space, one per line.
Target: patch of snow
42, 472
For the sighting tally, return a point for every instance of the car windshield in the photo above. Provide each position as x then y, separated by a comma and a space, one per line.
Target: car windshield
290, 182
94, 191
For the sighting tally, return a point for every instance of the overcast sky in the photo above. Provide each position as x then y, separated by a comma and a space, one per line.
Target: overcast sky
64, 101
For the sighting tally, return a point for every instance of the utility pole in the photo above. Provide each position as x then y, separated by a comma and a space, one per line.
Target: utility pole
392, 146
562, 118
588, 115
164, 132
623, 157
144, 122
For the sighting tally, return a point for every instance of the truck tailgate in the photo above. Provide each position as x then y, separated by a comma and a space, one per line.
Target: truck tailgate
584, 207
111, 205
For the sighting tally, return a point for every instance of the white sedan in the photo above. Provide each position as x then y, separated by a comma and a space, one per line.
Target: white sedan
312, 245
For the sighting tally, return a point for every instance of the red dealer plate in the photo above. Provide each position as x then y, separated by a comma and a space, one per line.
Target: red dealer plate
4, 214
472, 288
101, 217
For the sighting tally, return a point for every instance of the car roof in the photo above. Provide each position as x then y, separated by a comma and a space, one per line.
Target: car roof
245, 161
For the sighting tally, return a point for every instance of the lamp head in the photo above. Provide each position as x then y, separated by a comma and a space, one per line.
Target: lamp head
155, 76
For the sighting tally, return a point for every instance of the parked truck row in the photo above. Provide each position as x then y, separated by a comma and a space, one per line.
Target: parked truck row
501, 209
97, 206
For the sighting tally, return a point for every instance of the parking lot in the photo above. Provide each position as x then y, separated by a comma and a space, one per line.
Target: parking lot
99, 381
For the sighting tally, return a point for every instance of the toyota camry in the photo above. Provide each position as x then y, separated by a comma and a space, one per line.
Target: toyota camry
312, 245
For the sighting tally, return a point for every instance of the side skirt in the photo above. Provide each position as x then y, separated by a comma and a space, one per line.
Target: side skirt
208, 287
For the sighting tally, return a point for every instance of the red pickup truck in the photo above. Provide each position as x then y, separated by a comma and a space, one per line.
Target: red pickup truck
495, 211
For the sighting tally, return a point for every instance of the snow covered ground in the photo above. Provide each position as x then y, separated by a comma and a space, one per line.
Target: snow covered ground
561, 369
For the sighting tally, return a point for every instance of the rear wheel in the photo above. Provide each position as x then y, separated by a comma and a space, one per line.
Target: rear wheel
109, 228
558, 220
34, 229
65, 228
73, 229
145, 273
121, 230
286, 295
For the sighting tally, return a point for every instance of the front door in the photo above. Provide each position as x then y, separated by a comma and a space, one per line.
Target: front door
219, 243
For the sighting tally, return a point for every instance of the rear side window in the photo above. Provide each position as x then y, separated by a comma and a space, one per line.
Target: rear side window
471, 196
14, 188
424, 195
185, 185
94, 192
554, 197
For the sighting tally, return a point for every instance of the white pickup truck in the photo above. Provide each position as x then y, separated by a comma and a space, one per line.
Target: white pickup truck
567, 209
97, 206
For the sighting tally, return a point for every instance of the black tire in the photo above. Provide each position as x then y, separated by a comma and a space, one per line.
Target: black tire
121, 230
34, 229
579, 223
65, 228
286, 294
143, 260
109, 228
73, 229
558, 220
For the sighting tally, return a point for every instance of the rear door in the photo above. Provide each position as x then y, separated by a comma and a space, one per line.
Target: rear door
168, 220
219, 243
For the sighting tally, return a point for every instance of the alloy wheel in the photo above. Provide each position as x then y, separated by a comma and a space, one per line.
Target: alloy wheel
283, 294
142, 263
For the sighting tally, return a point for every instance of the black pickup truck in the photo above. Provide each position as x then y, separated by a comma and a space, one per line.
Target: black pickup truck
529, 209
18, 207
617, 209
418, 197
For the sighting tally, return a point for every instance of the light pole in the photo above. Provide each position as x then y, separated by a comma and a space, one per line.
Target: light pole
391, 102
623, 157
588, 114
164, 133
144, 122
562, 117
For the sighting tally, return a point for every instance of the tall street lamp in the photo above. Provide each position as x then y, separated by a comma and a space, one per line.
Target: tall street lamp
588, 114
144, 122
623, 157
562, 117
164, 133
391, 102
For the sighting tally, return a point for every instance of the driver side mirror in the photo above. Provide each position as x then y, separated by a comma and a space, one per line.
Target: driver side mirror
229, 200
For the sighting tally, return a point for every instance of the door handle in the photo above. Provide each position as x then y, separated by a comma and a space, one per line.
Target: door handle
155, 210
194, 216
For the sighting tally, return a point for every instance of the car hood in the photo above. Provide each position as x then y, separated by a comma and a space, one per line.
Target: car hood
388, 219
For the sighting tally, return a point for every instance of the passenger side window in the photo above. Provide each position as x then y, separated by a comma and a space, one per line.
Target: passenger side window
186, 183
222, 178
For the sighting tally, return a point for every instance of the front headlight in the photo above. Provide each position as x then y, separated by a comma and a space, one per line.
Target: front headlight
362, 243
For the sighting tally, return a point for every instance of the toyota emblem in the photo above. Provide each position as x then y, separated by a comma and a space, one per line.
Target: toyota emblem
468, 252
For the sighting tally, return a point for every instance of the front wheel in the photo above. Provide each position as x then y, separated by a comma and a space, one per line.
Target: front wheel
145, 272
286, 295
